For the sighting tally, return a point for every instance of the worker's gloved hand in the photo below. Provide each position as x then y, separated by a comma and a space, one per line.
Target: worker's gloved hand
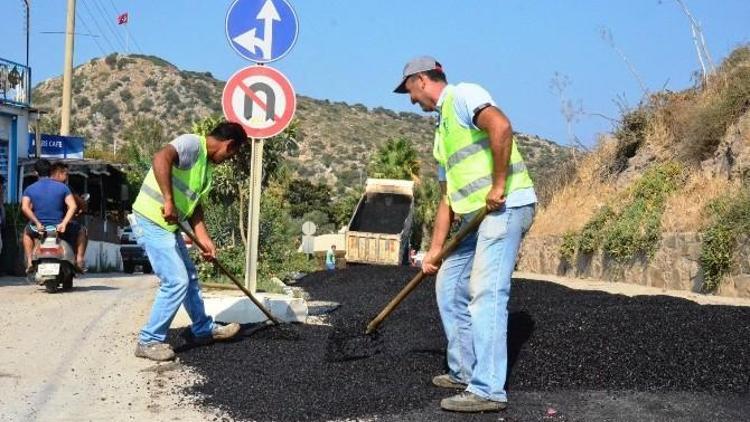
430, 267
169, 212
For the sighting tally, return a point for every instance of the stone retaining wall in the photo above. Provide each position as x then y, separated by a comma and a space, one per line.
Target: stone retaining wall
675, 266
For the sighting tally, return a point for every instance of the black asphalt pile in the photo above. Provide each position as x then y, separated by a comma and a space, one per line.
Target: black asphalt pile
560, 341
382, 213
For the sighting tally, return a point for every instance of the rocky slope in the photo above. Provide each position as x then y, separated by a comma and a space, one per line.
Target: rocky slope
336, 138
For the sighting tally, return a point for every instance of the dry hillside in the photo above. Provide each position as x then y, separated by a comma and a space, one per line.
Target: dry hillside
336, 139
704, 130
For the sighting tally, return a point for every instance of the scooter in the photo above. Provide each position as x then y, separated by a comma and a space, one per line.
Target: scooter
53, 261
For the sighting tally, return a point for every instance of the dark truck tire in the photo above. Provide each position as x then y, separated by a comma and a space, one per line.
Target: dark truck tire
128, 267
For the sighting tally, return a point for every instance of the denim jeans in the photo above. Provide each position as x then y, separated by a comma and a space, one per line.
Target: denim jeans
473, 288
178, 282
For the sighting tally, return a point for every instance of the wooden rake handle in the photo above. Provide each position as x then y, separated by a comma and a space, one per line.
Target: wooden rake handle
447, 249
226, 272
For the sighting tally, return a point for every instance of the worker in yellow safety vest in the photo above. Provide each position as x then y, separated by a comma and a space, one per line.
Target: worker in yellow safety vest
479, 165
180, 177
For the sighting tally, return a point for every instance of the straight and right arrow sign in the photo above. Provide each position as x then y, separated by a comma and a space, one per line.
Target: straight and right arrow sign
261, 30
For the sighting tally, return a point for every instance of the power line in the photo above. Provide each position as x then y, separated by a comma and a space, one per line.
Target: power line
108, 23
111, 46
127, 29
85, 25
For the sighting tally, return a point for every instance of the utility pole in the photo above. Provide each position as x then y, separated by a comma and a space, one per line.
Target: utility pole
68, 69
28, 29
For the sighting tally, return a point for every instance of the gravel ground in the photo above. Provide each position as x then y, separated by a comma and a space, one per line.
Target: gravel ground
587, 354
68, 356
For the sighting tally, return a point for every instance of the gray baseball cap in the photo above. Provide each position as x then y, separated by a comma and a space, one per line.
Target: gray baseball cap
414, 66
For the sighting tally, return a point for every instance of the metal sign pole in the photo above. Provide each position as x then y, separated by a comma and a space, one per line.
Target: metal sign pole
253, 218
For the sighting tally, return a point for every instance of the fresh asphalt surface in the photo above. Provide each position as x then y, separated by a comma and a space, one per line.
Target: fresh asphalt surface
574, 355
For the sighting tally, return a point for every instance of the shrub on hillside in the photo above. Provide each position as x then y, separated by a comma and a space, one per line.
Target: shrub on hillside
126, 95
637, 228
730, 219
158, 61
111, 60
632, 226
107, 108
146, 105
725, 97
82, 102
630, 135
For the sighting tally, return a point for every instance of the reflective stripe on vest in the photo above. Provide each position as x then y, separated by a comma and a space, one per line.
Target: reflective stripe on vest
176, 184
188, 187
467, 158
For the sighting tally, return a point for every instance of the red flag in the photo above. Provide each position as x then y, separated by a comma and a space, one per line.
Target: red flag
122, 19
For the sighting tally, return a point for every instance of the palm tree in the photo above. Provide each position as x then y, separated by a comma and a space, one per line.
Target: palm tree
396, 159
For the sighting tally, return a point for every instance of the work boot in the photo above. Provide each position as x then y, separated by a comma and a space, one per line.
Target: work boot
155, 351
225, 332
470, 402
219, 333
445, 381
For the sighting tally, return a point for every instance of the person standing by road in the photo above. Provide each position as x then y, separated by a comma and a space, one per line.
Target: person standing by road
479, 166
180, 177
331, 258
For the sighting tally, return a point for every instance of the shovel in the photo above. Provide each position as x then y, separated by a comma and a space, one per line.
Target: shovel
447, 249
226, 272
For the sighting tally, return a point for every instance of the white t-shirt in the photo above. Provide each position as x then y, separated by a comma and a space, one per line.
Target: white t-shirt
188, 148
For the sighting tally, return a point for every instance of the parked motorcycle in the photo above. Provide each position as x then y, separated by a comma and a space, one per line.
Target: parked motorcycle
53, 261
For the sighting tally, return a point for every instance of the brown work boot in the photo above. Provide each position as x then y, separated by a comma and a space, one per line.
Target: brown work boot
225, 332
219, 333
445, 381
155, 351
469, 403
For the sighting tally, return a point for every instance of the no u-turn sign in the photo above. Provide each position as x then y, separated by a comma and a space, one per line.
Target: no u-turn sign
261, 99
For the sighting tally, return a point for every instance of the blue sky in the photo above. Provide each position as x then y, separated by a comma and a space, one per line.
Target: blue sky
354, 51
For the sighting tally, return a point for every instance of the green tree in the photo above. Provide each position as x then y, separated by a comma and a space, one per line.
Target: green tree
343, 208
396, 159
304, 196
427, 197
142, 139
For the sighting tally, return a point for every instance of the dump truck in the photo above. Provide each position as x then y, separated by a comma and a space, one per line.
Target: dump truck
379, 230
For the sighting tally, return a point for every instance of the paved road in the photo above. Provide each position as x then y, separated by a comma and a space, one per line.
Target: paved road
69, 356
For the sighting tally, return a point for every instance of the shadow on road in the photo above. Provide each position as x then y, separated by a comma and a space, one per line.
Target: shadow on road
9, 281
520, 327
91, 288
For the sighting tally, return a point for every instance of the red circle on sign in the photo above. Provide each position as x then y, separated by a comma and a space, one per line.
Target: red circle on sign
236, 82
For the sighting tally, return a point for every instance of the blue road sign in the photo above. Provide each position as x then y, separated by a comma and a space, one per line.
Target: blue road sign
261, 30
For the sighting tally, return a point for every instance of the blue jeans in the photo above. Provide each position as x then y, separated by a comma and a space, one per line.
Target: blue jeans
178, 282
473, 288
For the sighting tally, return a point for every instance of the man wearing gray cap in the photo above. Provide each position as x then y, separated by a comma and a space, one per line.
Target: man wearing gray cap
479, 166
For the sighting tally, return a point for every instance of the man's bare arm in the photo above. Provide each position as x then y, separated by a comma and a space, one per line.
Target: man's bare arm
162, 166
500, 134
28, 210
